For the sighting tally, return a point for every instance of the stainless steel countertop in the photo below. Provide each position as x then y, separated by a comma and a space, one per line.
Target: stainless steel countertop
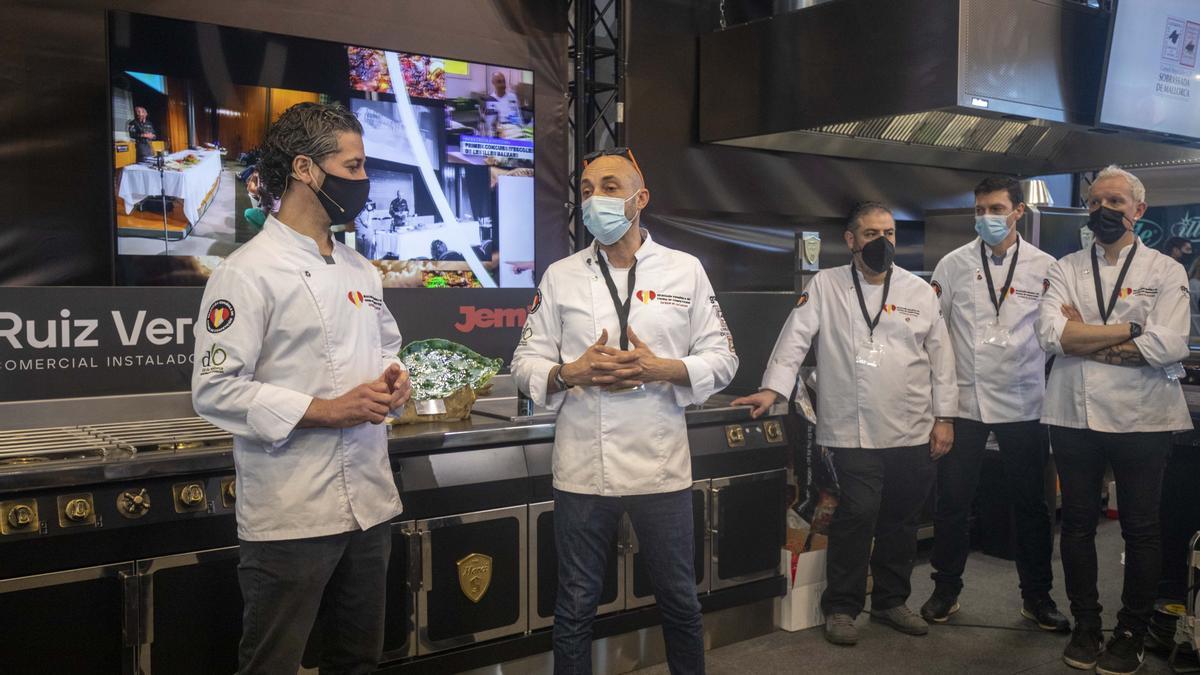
482, 430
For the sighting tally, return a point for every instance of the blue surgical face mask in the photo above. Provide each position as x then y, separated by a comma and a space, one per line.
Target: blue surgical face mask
605, 217
992, 229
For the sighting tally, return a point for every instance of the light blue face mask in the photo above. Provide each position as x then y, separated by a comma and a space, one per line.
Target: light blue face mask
992, 229
605, 217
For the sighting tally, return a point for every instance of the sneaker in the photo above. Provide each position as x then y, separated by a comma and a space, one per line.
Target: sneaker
1086, 645
902, 619
840, 630
1046, 615
938, 608
1123, 655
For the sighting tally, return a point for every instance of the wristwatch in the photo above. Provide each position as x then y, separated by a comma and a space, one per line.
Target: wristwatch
559, 381
944, 419
1135, 329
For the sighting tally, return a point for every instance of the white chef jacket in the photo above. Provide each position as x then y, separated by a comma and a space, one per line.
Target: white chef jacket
859, 406
1086, 394
995, 384
633, 443
279, 325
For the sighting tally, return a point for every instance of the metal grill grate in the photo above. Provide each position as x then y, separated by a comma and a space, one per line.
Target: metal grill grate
104, 441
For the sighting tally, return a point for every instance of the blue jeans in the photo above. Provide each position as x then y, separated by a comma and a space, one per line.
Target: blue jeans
585, 530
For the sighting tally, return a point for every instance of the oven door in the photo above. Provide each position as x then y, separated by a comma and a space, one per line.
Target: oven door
474, 582
748, 527
75, 622
639, 592
191, 607
543, 569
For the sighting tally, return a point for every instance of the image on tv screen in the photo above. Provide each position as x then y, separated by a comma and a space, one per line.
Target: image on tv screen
449, 148
1153, 82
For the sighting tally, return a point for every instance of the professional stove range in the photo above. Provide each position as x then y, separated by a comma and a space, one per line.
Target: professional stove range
118, 546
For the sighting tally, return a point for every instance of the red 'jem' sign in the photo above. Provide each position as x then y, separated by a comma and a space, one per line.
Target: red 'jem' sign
482, 317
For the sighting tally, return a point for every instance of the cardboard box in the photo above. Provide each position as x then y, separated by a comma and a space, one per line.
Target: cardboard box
801, 607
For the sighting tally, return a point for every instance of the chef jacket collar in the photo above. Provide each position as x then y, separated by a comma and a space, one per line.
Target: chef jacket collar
647, 249
1121, 255
291, 238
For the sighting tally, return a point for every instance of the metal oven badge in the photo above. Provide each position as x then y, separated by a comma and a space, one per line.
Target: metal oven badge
475, 575
812, 251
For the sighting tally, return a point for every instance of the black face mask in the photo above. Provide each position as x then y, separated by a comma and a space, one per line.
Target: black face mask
1108, 224
343, 198
878, 254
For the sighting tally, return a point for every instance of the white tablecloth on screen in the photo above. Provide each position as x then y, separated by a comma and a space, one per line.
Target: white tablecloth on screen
409, 244
191, 185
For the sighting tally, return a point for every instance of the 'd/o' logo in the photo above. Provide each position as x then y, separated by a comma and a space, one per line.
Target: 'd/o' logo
356, 298
1126, 292
645, 297
220, 316
213, 361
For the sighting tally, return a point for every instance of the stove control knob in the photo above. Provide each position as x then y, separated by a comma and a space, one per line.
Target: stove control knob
20, 517
78, 510
230, 491
192, 495
133, 503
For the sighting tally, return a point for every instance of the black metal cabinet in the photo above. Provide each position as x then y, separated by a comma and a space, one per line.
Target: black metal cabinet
50, 621
748, 527
191, 613
473, 582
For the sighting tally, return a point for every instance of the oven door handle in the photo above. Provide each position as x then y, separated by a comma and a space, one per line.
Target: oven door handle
714, 516
131, 624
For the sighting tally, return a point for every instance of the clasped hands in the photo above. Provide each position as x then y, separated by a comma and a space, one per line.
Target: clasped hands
613, 368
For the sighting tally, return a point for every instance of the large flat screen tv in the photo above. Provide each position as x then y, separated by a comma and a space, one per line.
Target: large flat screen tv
449, 149
1152, 72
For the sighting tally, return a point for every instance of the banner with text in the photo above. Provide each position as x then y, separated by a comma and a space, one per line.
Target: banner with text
62, 342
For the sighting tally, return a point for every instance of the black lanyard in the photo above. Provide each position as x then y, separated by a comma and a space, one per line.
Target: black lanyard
862, 303
1116, 291
1007, 282
622, 308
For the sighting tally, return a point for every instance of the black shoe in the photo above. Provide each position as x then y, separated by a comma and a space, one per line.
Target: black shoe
1046, 615
1123, 655
938, 608
1085, 647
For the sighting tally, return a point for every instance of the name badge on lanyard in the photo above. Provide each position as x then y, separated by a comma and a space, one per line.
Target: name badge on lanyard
869, 352
994, 333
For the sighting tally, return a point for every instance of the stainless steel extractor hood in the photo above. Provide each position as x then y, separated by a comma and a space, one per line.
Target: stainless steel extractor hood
990, 85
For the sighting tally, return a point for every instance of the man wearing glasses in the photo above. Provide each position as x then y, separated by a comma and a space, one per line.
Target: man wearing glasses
621, 337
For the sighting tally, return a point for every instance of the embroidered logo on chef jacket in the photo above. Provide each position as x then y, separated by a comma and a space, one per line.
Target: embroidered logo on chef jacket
1145, 292
889, 309
937, 288
1184, 290
802, 300
1045, 285
213, 360
536, 303
646, 297
356, 298
220, 316
375, 303
672, 300
907, 312
526, 335
1024, 294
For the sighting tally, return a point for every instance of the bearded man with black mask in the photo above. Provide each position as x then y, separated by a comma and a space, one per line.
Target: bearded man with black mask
1116, 316
886, 399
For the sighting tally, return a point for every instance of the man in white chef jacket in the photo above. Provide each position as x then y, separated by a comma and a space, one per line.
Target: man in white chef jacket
1116, 316
621, 337
886, 399
296, 357
990, 290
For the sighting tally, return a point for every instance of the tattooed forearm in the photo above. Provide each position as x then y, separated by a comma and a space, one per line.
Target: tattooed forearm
1124, 354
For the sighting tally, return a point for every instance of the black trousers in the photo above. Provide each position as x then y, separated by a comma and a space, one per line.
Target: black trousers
883, 491
1137, 461
284, 583
1023, 454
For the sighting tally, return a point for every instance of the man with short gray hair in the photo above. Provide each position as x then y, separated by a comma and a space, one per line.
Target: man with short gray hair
1116, 316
